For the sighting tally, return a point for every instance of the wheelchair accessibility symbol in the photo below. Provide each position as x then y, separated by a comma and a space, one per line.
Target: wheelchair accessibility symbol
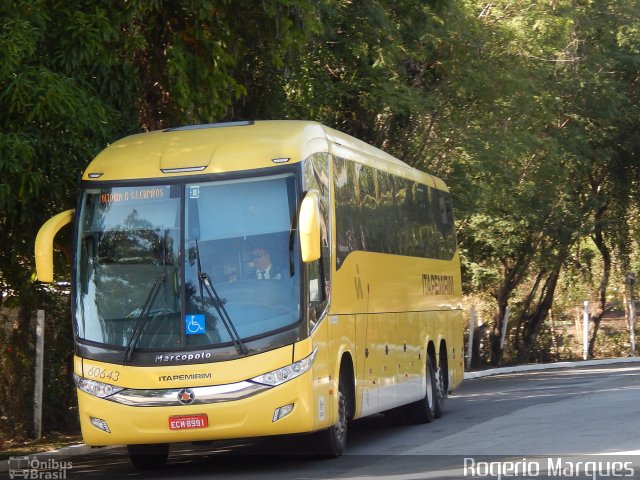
194, 324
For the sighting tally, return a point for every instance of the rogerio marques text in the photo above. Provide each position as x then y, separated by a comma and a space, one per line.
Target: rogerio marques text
549, 467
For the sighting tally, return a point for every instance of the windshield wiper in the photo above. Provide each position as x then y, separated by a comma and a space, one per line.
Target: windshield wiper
142, 318
218, 303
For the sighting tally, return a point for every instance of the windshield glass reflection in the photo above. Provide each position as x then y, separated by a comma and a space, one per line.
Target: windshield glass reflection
238, 273
128, 239
241, 234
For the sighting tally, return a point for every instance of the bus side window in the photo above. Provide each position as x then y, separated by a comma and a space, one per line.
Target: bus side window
316, 177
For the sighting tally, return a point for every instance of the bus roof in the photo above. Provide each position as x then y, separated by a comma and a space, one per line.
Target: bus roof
234, 146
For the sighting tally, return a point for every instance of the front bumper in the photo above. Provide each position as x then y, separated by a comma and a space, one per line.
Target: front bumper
252, 416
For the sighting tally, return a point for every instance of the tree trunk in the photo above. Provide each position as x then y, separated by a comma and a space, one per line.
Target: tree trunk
511, 280
496, 330
517, 341
531, 322
604, 281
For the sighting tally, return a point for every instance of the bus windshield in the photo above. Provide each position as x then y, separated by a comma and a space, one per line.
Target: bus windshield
228, 276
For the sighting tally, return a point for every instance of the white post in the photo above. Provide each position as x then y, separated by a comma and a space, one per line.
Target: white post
631, 278
632, 328
585, 330
37, 399
472, 327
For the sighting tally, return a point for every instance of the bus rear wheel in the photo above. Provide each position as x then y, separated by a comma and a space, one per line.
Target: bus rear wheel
332, 442
441, 392
148, 456
425, 410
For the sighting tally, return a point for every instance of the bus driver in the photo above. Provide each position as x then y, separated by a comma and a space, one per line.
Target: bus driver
265, 270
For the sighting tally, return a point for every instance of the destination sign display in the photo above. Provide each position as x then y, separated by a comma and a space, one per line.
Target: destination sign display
135, 194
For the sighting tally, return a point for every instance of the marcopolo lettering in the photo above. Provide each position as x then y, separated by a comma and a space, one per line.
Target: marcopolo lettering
182, 357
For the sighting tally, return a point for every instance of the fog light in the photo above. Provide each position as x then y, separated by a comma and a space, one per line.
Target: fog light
100, 423
282, 412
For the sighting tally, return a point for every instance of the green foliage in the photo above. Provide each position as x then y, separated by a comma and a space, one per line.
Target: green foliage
557, 163
17, 361
528, 112
75, 76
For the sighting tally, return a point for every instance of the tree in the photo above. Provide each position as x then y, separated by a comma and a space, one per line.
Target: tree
74, 77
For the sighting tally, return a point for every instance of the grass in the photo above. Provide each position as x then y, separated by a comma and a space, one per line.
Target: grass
22, 447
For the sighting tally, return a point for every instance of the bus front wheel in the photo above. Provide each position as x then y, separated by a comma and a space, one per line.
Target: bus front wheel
145, 457
425, 410
332, 442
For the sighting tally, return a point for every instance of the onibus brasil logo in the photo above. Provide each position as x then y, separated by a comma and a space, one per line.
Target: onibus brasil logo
38, 468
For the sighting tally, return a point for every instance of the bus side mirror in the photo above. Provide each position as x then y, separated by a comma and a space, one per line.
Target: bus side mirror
44, 244
309, 227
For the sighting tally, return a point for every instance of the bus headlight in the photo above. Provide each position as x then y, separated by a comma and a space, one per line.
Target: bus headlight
97, 389
284, 374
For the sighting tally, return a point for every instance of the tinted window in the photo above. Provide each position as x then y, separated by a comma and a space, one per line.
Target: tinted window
380, 212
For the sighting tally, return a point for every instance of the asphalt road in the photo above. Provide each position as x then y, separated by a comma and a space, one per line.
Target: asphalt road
544, 424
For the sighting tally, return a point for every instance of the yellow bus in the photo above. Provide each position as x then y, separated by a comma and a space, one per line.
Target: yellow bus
249, 279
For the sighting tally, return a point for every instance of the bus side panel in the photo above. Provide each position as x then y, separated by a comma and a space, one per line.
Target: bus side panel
393, 371
364, 384
323, 384
411, 333
455, 348
380, 364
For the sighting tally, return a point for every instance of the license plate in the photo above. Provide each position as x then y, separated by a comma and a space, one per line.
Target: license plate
183, 422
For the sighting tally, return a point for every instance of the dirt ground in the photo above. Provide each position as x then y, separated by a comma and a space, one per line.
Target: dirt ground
613, 338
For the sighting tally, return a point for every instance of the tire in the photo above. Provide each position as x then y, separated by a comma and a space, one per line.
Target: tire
424, 411
146, 457
332, 442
